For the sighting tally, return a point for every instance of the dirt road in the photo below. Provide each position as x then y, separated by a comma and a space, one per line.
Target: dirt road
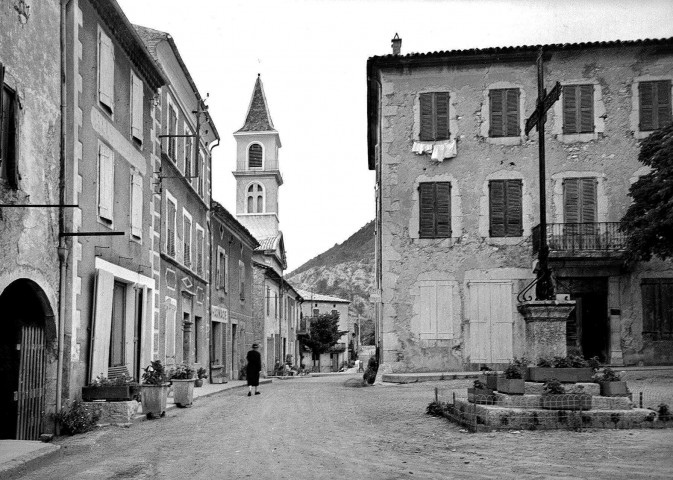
316, 428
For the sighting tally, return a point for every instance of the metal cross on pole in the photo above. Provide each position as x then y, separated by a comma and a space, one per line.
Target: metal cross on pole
544, 288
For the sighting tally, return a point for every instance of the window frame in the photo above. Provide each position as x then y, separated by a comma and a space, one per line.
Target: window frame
187, 252
507, 207
655, 106
105, 217
262, 159
136, 203
9, 134
106, 104
255, 198
200, 250
134, 103
423, 211
505, 113
577, 97
170, 246
172, 152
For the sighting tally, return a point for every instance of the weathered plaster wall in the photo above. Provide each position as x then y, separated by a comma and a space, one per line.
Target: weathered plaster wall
610, 154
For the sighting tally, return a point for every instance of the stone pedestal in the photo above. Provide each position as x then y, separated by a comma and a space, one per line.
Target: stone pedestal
546, 327
615, 356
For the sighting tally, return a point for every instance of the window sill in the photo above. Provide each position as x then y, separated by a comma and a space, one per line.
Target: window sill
577, 137
639, 134
505, 240
506, 141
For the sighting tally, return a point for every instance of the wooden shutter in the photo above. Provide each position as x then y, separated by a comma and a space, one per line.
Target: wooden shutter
105, 70
588, 200
513, 208
500, 299
443, 209
170, 227
187, 240
646, 94
570, 110
255, 156
663, 103
137, 103
101, 324
480, 325
571, 200
496, 198
226, 272
427, 210
2, 110
105, 181
427, 125
496, 111
136, 205
586, 108
512, 112
171, 311
218, 270
442, 115
12, 144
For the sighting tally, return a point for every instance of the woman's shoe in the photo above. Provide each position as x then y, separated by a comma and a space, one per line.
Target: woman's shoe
257, 393
249, 394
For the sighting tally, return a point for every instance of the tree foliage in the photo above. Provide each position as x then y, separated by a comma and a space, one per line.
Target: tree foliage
324, 333
648, 222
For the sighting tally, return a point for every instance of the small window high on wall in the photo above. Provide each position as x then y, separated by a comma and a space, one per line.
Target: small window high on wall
255, 199
255, 156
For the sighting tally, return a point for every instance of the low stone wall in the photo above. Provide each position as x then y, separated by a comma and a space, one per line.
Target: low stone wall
114, 413
533, 401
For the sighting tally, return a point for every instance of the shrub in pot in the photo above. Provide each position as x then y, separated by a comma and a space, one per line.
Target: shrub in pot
556, 398
154, 390
201, 373
611, 383
489, 378
512, 381
119, 389
480, 394
182, 378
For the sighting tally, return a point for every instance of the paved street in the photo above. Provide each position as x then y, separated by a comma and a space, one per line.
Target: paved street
320, 428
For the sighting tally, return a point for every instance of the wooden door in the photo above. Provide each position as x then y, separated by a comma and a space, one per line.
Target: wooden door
490, 308
30, 395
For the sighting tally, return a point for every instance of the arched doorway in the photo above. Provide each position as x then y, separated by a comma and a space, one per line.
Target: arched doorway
27, 323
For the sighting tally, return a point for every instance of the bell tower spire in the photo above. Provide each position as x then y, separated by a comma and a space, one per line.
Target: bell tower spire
257, 173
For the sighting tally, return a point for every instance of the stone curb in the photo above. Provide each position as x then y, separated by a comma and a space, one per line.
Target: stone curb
427, 377
14, 464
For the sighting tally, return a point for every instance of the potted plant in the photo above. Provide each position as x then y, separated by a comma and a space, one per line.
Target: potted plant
556, 398
480, 394
182, 378
119, 389
154, 390
489, 378
512, 382
611, 383
568, 369
201, 373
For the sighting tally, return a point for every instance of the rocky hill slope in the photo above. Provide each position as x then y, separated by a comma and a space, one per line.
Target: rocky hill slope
347, 271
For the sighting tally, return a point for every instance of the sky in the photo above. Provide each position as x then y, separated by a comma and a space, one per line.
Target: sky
312, 55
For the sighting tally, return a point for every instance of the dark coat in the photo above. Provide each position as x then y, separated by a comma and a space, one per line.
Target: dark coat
253, 367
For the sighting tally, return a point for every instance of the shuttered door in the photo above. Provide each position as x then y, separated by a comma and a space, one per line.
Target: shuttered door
580, 208
490, 310
101, 324
31, 392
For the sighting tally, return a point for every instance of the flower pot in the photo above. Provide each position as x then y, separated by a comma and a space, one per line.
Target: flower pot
491, 381
566, 401
198, 382
482, 396
154, 400
183, 392
110, 393
613, 389
512, 386
564, 375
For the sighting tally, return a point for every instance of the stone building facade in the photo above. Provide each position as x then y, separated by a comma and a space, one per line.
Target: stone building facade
181, 210
232, 330
110, 295
457, 200
30, 169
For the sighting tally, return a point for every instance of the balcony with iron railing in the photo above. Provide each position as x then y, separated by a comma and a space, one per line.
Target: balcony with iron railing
593, 239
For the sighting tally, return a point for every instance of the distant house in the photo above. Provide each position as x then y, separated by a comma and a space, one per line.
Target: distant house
258, 179
457, 200
317, 304
232, 323
182, 196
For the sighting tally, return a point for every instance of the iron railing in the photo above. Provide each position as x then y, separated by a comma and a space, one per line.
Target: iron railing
581, 237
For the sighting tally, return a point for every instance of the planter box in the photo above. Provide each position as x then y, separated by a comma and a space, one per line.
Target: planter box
154, 400
183, 392
111, 393
512, 386
491, 381
482, 396
566, 401
565, 375
614, 389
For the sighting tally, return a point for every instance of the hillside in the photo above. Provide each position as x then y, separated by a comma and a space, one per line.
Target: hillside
347, 271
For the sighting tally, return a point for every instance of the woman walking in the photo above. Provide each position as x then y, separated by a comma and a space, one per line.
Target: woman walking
253, 368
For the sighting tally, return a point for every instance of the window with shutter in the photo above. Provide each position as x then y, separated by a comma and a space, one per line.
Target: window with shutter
199, 250
435, 210
657, 299
579, 200
137, 99
504, 112
187, 241
505, 208
655, 104
578, 109
226, 272
189, 153
241, 270
9, 111
172, 130
255, 156
171, 213
136, 205
434, 116
105, 71
105, 181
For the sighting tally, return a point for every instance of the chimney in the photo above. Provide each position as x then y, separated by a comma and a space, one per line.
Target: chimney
397, 44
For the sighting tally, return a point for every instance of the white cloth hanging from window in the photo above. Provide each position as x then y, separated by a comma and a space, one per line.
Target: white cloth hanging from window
443, 150
420, 148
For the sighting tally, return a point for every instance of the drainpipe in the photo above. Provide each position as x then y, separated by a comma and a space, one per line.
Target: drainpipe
62, 247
